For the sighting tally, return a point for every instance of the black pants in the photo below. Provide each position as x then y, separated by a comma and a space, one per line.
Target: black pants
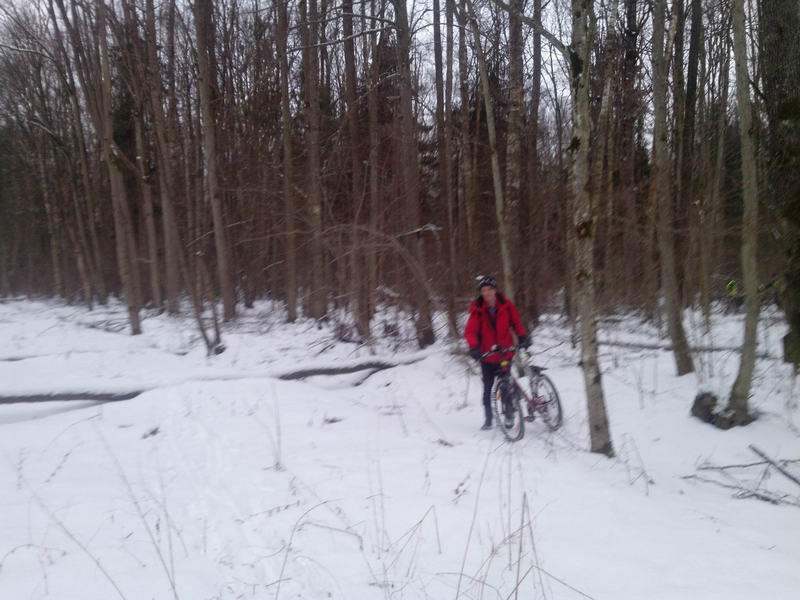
488, 373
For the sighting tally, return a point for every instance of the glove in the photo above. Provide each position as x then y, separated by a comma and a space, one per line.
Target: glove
475, 353
524, 341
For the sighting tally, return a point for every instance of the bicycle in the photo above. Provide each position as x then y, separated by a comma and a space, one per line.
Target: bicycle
509, 388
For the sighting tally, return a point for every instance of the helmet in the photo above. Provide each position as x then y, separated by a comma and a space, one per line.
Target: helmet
485, 280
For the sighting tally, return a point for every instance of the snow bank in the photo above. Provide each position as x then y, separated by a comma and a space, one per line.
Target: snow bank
218, 484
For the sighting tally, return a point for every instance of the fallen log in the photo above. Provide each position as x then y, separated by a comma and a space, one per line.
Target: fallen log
70, 396
373, 365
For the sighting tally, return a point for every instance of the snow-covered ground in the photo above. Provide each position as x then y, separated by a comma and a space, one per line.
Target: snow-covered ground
223, 481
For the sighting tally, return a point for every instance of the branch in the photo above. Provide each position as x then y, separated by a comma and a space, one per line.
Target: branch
340, 40
783, 471
538, 27
25, 51
743, 492
119, 155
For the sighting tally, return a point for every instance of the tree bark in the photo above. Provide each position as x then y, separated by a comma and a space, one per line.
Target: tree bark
583, 222
513, 190
444, 174
53, 225
288, 164
740, 393
119, 200
779, 64
497, 178
535, 236
146, 188
166, 154
206, 83
317, 302
663, 195
373, 76
465, 175
360, 305
424, 327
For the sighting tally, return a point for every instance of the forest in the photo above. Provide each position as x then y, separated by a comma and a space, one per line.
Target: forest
600, 157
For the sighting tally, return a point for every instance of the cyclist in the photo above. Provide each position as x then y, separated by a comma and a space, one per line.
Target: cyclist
492, 318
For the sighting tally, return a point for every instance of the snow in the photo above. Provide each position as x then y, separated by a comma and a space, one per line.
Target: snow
223, 481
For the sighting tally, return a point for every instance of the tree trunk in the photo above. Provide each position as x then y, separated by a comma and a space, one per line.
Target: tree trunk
711, 204
424, 327
740, 393
687, 144
166, 155
373, 76
779, 22
288, 164
444, 174
583, 222
467, 191
663, 195
119, 200
497, 178
53, 226
513, 190
206, 83
675, 59
533, 238
360, 305
146, 188
310, 25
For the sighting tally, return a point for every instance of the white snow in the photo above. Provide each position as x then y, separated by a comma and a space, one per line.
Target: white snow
222, 481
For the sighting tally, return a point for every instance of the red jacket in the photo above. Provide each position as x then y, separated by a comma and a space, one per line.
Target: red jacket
484, 332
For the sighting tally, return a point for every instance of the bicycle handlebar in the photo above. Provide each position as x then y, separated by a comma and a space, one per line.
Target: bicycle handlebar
499, 351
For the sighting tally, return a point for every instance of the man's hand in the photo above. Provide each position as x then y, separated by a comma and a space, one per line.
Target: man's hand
524, 341
475, 353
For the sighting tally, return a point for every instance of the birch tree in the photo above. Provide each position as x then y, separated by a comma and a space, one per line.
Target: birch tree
740, 393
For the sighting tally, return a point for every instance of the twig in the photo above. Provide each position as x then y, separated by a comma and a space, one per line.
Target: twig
338, 529
289, 545
708, 467
743, 492
140, 513
472, 523
539, 570
75, 540
783, 471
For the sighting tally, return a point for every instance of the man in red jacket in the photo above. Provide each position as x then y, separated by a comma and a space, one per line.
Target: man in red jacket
492, 318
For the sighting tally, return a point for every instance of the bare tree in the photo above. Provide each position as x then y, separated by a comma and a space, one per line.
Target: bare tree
316, 299
425, 335
206, 84
584, 218
497, 178
126, 252
740, 393
288, 162
662, 190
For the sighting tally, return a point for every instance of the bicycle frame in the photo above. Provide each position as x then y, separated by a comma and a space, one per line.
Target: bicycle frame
509, 371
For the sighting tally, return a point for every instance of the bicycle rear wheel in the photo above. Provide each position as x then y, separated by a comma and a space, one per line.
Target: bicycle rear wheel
548, 403
507, 409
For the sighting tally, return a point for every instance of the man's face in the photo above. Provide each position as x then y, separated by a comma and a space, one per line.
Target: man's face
489, 294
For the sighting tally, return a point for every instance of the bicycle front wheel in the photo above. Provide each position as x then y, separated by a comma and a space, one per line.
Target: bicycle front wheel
507, 409
548, 403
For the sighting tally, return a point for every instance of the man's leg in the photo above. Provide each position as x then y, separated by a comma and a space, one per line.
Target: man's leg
488, 372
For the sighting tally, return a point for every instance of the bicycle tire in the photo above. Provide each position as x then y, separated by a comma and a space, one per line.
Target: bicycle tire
517, 432
550, 409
